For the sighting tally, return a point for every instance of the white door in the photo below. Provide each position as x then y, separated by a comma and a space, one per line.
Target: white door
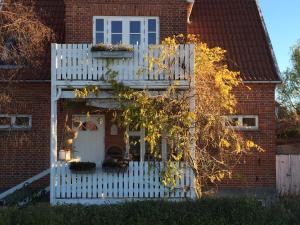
89, 145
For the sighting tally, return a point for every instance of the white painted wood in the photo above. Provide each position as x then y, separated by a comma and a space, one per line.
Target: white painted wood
287, 174
74, 62
141, 181
89, 145
24, 183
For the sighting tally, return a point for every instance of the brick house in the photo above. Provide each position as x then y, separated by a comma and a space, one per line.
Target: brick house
39, 99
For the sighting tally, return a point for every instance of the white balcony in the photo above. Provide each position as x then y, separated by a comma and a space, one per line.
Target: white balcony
74, 65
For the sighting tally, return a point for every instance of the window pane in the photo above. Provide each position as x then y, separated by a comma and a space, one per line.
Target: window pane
152, 25
5, 121
135, 147
135, 39
116, 26
249, 122
99, 38
135, 27
99, 25
116, 39
152, 39
22, 122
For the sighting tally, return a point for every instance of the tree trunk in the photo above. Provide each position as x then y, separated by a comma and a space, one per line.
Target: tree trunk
198, 187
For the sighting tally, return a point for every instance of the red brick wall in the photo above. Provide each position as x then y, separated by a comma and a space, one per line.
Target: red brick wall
24, 154
258, 170
79, 15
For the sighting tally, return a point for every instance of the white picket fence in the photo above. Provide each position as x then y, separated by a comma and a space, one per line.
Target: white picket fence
75, 62
141, 180
288, 174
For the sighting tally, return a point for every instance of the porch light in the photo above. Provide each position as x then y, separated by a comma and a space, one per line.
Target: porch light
64, 155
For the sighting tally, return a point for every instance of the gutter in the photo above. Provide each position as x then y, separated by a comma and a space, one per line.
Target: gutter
269, 40
189, 9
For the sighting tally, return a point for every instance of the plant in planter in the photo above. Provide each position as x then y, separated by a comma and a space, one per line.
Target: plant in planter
69, 135
115, 160
82, 166
112, 51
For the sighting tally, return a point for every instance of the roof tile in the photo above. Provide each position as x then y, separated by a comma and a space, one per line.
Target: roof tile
236, 26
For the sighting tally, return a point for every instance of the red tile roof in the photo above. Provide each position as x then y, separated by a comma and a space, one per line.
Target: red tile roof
236, 25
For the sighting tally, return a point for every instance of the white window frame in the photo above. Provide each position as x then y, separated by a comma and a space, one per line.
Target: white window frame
13, 121
240, 126
126, 28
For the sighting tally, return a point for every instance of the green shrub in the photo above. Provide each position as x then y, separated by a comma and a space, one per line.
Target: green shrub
207, 212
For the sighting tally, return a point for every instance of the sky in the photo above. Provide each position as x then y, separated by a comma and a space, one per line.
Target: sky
282, 18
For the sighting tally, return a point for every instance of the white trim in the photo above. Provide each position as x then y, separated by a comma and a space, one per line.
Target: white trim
125, 28
240, 126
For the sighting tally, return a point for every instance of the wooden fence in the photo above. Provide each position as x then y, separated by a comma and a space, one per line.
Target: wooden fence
141, 180
288, 174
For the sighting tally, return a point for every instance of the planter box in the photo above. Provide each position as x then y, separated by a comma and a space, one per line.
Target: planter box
112, 54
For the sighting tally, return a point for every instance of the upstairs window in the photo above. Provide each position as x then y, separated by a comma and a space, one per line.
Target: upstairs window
127, 30
243, 122
135, 32
152, 31
116, 32
15, 122
99, 31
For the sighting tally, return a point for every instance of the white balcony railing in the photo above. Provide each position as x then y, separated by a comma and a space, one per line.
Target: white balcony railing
74, 63
141, 180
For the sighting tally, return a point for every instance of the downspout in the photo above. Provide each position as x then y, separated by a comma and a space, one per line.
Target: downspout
189, 9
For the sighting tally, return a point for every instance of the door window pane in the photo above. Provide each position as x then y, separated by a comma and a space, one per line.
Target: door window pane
152, 25
99, 38
152, 32
116, 26
135, 27
151, 38
135, 39
116, 39
99, 25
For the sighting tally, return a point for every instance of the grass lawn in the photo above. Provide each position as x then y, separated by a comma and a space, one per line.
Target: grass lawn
207, 211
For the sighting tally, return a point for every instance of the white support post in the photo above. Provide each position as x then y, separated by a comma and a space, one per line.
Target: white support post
53, 125
143, 145
192, 109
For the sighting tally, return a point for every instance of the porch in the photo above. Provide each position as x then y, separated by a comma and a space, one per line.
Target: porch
75, 67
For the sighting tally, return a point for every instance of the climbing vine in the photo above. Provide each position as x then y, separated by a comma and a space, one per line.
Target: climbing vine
167, 114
